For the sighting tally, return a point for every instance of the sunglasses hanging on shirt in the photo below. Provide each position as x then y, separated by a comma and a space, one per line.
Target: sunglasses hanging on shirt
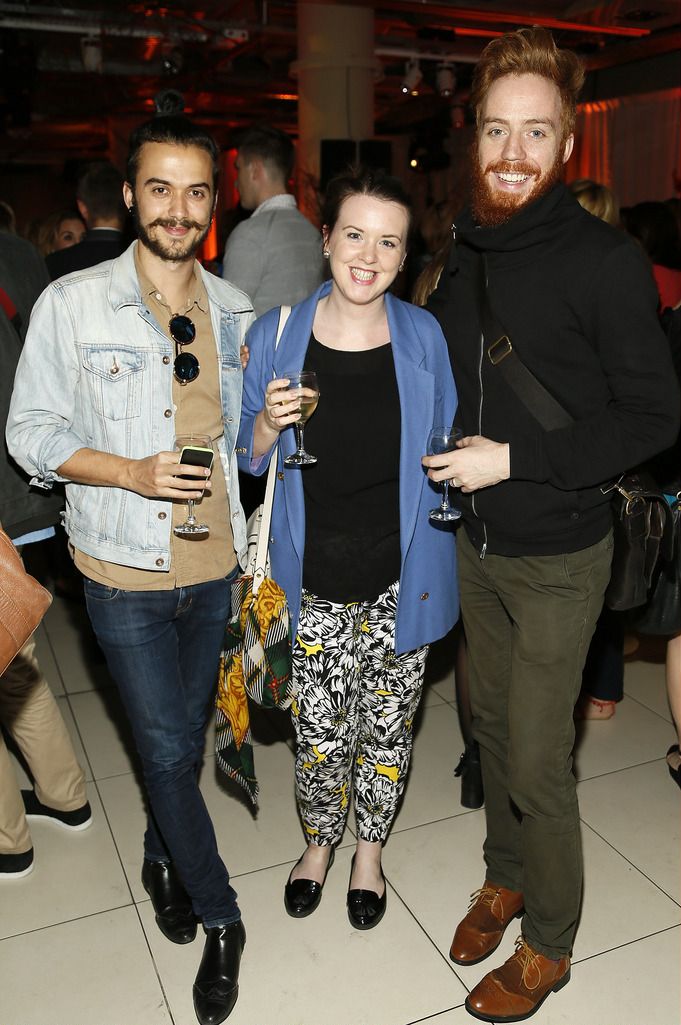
183, 332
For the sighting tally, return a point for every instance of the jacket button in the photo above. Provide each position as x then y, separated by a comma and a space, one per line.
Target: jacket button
167, 413
574, 516
280, 475
166, 360
162, 515
159, 562
425, 596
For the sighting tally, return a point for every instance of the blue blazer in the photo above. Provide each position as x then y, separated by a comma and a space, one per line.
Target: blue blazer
428, 597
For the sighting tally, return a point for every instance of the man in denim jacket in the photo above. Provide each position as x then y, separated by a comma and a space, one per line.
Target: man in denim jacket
120, 361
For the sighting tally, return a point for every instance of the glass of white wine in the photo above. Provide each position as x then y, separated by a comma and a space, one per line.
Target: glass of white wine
304, 382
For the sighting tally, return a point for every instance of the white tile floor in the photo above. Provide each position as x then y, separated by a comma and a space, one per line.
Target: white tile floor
79, 946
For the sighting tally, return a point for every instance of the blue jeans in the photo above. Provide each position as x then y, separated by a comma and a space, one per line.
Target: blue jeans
162, 649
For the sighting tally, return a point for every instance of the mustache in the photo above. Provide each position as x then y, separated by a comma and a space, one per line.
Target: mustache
512, 167
171, 222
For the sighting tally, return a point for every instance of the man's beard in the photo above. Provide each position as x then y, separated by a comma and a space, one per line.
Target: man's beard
178, 251
492, 208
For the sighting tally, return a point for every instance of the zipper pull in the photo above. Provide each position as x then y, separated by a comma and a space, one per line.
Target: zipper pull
483, 551
453, 231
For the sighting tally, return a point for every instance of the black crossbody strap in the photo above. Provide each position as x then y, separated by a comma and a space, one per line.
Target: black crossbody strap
546, 410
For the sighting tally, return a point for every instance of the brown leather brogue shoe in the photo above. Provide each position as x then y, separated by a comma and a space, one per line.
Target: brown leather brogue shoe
479, 933
516, 990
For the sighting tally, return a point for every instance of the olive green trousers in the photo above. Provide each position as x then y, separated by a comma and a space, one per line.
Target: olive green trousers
529, 622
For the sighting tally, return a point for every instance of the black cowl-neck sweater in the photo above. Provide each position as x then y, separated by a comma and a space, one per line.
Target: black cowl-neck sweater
578, 301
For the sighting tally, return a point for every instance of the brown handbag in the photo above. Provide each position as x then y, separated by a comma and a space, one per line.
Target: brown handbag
23, 602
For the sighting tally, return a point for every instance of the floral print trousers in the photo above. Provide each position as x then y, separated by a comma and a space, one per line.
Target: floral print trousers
353, 711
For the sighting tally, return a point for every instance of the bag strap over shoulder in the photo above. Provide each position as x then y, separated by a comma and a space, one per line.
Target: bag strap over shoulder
546, 410
266, 520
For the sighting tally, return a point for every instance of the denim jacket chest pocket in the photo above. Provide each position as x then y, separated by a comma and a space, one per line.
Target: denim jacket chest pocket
113, 378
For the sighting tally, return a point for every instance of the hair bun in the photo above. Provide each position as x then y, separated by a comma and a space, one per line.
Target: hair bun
168, 102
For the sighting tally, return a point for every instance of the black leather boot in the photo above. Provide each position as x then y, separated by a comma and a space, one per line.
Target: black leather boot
216, 987
472, 792
170, 900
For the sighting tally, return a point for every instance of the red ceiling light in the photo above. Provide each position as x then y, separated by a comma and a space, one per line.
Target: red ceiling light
151, 45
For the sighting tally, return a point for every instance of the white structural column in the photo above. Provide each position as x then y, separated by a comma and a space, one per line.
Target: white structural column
336, 69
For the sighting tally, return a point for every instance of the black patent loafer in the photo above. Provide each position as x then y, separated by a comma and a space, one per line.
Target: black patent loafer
302, 896
216, 987
172, 905
366, 908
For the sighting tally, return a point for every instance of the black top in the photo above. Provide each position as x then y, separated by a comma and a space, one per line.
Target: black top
578, 301
98, 245
352, 509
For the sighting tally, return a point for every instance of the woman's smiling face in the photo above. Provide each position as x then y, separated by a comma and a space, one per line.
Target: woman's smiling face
366, 247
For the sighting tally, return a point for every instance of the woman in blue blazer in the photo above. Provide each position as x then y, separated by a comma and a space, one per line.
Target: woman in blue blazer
369, 580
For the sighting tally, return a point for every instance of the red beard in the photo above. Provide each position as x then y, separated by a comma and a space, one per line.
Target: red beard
491, 209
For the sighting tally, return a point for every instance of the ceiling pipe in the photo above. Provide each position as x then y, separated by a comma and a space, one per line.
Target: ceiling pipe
453, 14
422, 55
85, 28
100, 25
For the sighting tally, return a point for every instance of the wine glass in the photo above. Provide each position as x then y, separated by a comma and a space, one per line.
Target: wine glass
444, 439
305, 383
190, 527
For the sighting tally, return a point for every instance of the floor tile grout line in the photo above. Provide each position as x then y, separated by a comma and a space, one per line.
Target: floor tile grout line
67, 696
621, 768
114, 840
432, 1017
153, 961
284, 864
90, 690
449, 964
95, 781
642, 704
67, 921
629, 943
435, 822
96, 914
633, 864
130, 891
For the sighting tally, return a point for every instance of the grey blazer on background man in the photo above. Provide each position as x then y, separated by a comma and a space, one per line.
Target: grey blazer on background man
275, 257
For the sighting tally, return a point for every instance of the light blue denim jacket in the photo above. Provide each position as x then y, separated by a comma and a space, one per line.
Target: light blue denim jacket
96, 372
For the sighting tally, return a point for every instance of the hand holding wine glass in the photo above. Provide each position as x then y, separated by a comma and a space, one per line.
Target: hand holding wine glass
302, 383
440, 440
196, 450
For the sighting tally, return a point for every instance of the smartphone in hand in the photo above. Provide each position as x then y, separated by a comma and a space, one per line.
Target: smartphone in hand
194, 455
